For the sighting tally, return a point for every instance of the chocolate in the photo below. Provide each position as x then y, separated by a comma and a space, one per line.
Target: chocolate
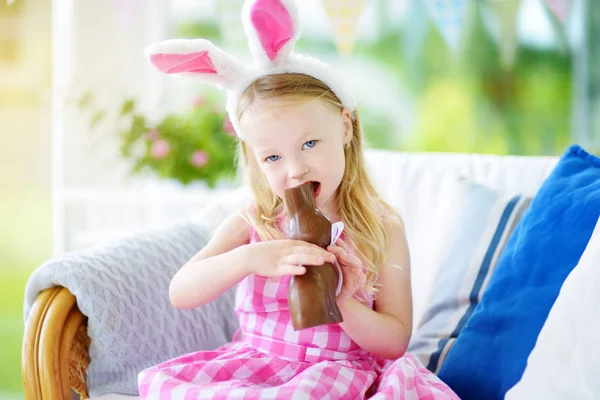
311, 296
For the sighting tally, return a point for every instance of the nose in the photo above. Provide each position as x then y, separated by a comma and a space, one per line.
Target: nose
297, 170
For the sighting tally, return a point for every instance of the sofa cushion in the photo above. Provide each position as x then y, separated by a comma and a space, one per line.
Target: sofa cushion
490, 354
564, 362
474, 242
423, 188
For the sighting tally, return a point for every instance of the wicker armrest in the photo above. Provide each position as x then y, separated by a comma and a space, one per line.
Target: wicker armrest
55, 348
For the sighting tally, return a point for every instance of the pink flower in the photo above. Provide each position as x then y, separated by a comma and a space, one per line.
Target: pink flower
160, 149
199, 158
152, 135
228, 127
199, 101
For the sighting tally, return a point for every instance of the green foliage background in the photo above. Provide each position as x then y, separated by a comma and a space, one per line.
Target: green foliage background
463, 101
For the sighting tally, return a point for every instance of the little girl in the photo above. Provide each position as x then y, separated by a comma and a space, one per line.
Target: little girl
296, 123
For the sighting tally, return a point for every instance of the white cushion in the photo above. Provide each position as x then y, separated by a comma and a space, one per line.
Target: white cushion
423, 187
487, 218
564, 363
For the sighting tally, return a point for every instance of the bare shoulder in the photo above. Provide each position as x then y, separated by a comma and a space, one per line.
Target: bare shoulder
233, 232
236, 226
398, 243
393, 224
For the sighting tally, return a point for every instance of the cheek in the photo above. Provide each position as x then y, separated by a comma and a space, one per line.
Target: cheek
275, 179
339, 170
334, 166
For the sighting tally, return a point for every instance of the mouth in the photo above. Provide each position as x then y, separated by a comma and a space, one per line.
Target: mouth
316, 188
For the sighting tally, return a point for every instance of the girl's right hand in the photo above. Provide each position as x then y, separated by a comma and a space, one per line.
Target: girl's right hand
284, 257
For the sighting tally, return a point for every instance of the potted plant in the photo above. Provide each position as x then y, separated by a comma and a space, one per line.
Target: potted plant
198, 145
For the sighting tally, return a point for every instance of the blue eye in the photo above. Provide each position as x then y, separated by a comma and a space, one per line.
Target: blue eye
310, 143
272, 158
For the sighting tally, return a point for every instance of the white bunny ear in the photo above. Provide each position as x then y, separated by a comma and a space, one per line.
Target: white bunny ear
272, 27
196, 57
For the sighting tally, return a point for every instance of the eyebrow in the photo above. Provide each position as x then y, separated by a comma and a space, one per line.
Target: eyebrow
306, 134
265, 152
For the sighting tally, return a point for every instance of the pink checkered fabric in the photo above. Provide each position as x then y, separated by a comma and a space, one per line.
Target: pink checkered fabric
273, 361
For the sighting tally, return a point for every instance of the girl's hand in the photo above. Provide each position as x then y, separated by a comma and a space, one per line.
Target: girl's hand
352, 270
284, 257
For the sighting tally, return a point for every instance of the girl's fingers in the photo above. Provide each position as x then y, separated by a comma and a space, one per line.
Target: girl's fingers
305, 259
342, 244
338, 251
346, 259
341, 250
311, 249
349, 260
289, 269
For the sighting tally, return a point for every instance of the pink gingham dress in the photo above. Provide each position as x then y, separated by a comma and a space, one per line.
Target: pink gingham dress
273, 361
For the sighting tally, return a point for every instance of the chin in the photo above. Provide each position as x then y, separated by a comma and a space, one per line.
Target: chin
323, 201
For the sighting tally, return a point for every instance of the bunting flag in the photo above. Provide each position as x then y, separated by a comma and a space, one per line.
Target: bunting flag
505, 14
449, 16
344, 15
560, 8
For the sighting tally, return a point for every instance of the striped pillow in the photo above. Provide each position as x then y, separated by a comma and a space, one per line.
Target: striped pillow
482, 228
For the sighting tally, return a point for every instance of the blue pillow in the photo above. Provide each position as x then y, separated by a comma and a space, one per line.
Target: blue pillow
490, 354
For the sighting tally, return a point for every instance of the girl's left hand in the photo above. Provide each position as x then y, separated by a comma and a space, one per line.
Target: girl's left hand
352, 270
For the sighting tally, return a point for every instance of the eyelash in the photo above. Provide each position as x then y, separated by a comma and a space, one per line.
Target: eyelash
268, 159
310, 147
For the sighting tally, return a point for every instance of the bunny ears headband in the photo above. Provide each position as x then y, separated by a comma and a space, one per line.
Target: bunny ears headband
272, 28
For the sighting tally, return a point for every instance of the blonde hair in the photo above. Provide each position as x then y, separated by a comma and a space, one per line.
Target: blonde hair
362, 210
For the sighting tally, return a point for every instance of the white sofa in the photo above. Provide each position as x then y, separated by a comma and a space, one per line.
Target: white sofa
423, 187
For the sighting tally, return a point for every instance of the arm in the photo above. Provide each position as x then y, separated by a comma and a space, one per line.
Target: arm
386, 330
228, 258
201, 279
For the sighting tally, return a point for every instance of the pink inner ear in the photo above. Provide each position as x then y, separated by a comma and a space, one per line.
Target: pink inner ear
198, 62
273, 25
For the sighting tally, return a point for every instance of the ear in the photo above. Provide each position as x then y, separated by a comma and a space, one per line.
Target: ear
272, 28
198, 58
348, 130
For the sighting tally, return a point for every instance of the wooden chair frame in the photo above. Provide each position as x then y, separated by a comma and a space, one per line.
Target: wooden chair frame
55, 348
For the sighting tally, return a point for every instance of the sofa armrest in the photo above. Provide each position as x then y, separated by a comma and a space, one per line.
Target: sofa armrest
121, 288
55, 348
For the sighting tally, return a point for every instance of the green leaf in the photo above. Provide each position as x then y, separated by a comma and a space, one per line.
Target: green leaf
97, 118
127, 107
85, 100
138, 128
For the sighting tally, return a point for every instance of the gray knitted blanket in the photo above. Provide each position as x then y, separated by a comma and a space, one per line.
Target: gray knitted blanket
122, 287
